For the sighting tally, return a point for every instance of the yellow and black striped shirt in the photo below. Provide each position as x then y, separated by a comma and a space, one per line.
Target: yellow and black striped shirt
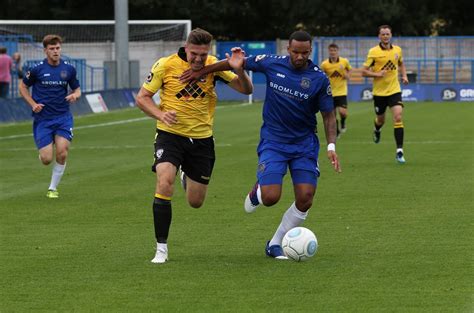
194, 103
336, 72
379, 59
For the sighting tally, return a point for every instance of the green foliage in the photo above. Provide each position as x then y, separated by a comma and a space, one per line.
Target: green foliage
267, 20
392, 238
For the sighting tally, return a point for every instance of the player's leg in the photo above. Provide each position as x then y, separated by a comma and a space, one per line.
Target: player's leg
398, 127
44, 139
197, 167
62, 128
304, 171
343, 113
162, 213
272, 166
168, 156
380, 106
62, 149
46, 154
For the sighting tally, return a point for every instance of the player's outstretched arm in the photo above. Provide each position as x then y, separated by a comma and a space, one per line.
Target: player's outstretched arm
191, 75
146, 104
242, 83
329, 120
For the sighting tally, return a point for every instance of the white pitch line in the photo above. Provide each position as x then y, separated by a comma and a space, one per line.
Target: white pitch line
115, 122
223, 145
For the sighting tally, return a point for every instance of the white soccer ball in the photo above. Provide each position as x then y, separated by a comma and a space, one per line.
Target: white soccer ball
299, 244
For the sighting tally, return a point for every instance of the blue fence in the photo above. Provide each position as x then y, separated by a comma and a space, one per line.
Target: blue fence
91, 78
429, 59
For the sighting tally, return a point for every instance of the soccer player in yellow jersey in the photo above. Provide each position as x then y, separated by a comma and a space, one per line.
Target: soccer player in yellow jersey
383, 63
338, 70
184, 126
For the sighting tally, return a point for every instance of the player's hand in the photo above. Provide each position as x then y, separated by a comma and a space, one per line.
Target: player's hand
382, 73
236, 60
37, 107
189, 76
332, 156
169, 118
72, 98
405, 80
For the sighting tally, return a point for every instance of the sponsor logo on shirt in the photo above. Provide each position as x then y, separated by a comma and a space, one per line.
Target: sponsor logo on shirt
288, 91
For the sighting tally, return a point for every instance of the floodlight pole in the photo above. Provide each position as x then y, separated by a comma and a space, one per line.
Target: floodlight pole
121, 43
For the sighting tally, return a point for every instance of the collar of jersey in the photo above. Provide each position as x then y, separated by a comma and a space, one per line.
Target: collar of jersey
182, 54
381, 46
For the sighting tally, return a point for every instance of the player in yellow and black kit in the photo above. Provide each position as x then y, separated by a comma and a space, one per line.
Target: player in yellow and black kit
184, 126
338, 70
383, 63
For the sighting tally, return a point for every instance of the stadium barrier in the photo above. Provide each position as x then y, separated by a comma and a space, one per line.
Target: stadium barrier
363, 92
16, 110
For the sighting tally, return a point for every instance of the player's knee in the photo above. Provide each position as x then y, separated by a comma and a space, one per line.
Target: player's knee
46, 160
304, 204
61, 156
196, 203
270, 198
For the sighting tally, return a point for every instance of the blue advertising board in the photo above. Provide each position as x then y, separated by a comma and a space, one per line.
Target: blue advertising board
250, 48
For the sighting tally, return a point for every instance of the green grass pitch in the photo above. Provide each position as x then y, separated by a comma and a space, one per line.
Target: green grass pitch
393, 238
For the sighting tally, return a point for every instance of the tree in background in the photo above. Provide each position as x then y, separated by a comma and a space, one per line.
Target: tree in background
267, 20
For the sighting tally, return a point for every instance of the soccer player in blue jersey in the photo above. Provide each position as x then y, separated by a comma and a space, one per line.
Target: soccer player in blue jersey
296, 90
50, 100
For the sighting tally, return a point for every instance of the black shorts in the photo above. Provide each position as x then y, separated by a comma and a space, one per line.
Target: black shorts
381, 102
340, 101
195, 156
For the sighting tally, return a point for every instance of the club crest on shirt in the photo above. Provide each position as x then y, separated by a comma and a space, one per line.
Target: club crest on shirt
341, 66
149, 77
63, 74
305, 83
396, 56
159, 153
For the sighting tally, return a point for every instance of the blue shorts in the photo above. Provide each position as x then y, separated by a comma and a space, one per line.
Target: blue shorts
44, 130
274, 158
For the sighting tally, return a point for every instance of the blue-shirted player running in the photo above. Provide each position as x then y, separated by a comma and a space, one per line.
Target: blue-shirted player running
296, 90
50, 101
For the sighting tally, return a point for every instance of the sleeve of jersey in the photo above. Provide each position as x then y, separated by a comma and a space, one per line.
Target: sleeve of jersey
400, 60
324, 97
154, 81
30, 77
370, 59
256, 63
348, 65
73, 82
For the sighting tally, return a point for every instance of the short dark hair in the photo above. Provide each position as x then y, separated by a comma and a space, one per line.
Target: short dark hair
3, 50
333, 45
199, 36
384, 26
51, 40
300, 35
